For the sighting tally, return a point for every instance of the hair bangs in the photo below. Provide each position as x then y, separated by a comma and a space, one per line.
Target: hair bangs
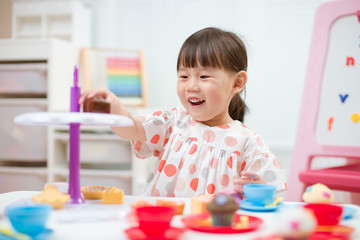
199, 54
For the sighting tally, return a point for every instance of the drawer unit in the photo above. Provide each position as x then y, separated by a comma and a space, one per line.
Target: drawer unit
20, 142
23, 79
32, 181
95, 150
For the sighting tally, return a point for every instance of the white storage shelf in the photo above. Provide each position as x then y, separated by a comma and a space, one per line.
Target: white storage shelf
66, 19
22, 178
106, 159
35, 75
21, 143
105, 148
23, 79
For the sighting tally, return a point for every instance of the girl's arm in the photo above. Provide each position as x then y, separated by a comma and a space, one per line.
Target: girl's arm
136, 132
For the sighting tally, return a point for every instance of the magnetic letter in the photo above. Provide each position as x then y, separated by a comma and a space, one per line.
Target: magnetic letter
350, 61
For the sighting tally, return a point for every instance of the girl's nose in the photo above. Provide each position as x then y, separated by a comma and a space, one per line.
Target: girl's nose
193, 85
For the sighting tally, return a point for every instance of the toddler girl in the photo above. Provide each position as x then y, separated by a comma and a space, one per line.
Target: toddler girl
205, 147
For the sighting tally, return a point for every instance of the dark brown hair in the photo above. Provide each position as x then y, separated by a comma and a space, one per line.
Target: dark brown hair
213, 47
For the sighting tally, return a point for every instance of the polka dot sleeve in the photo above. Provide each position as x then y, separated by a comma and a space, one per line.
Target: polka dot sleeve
260, 160
158, 127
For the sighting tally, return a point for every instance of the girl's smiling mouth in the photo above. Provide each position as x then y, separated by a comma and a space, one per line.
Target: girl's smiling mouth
196, 101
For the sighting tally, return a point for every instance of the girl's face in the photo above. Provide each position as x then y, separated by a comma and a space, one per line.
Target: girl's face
206, 93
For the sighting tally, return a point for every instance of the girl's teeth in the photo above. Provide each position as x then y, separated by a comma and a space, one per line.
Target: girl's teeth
196, 101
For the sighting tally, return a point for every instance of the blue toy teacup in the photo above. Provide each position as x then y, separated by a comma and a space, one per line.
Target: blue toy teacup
259, 194
29, 219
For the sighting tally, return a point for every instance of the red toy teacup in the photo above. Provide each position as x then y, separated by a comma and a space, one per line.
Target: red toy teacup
154, 220
325, 214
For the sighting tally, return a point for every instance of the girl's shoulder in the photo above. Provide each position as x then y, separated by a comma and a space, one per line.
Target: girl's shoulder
177, 111
240, 127
167, 114
233, 128
176, 115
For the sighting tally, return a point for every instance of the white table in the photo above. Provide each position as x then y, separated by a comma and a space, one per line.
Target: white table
93, 220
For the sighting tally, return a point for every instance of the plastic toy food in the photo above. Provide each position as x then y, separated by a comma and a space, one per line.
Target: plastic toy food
233, 193
318, 193
51, 195
93, 192
98, 105
222, 209
198, 204
141, 203
178, 206
294, 223
113, 195
63, 187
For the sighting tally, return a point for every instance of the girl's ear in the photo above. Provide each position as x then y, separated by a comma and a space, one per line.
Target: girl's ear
240, 81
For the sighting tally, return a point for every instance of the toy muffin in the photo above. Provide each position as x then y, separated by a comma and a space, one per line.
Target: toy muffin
318, 193
222, 209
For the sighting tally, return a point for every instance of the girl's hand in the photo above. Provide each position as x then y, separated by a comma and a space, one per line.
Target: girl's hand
247, 178
116, 106
135, 132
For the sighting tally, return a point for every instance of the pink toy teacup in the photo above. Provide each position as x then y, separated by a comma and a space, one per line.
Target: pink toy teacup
154, 220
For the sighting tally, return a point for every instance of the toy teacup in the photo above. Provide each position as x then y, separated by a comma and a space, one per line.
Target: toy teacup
29, 219
154, 220
259, 194
326, 214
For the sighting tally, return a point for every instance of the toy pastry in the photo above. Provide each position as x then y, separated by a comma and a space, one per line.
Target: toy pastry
140, 203
178, 206
198, 203
113, 195
93, 192
51, 195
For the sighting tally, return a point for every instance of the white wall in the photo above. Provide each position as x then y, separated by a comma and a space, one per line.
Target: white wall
277, 34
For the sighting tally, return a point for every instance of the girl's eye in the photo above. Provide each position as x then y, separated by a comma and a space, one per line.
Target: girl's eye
183, 77
204, 76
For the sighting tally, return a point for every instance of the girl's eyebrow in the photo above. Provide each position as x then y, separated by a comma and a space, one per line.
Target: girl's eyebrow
201, 68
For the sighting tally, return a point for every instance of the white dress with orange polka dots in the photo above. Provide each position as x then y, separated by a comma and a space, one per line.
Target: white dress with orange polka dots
195, 159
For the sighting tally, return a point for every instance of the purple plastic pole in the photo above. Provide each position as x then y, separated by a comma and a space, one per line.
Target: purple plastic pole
74, 162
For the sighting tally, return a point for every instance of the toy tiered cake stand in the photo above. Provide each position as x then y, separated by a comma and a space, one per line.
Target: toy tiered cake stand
73, 119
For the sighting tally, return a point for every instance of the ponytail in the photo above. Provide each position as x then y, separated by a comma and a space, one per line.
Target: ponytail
237, 108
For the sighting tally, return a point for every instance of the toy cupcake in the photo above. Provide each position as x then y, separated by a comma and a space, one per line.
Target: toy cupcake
222, 209
318, 193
